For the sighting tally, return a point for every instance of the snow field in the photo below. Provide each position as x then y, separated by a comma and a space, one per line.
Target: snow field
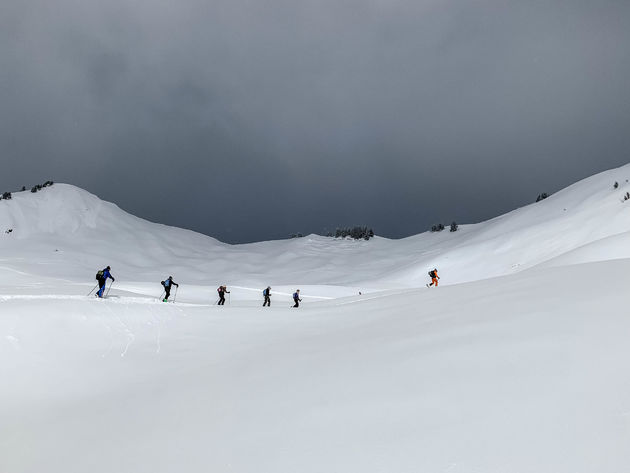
402, 382
515, 364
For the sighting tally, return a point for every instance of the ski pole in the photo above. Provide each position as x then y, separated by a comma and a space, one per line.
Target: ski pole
108, 289
175, 296
162, 295
93, 289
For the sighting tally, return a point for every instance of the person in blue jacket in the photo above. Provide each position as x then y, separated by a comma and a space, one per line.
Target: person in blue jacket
102, 279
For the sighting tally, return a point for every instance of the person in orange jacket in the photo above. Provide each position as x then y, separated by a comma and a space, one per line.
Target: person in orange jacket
434, 277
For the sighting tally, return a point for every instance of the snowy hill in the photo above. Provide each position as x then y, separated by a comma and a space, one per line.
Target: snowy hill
90, 233
521, 373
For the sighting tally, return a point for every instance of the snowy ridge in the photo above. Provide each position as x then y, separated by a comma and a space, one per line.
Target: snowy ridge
90, 233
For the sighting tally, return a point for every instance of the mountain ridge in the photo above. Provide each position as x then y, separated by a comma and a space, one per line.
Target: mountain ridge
90, 233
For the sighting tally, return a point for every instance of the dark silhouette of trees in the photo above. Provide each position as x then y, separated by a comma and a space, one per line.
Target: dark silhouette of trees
356, 233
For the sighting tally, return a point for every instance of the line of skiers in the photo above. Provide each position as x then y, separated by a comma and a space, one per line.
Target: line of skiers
168, 283
267, 296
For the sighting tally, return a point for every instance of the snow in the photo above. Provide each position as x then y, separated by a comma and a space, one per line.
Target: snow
516, 363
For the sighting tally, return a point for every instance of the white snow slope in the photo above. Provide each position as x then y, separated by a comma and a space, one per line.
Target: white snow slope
516, 363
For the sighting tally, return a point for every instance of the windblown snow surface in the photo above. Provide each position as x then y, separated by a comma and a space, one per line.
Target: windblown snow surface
517, 363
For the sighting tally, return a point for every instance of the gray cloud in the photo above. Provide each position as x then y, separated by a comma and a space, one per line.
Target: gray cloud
250, 120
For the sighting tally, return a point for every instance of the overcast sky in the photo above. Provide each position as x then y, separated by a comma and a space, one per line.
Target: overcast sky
253, 119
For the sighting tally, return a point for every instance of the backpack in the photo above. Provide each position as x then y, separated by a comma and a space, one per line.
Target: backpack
264, 292
296, 295
432, 273
99, 275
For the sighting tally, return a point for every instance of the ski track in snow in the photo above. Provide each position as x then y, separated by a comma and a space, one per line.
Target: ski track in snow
111, 339
374, 297
156, 322
158, 338
288, 294
112, 298
125, 331
21, 273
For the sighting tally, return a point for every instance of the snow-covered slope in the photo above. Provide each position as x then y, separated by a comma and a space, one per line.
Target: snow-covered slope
76, 232
524, 375
521, 373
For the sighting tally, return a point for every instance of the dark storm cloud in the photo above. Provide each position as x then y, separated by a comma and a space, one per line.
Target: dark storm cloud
250, 120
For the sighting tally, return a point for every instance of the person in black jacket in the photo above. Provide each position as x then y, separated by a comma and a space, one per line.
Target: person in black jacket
267, 294
168, 284
296, 298
222, 290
